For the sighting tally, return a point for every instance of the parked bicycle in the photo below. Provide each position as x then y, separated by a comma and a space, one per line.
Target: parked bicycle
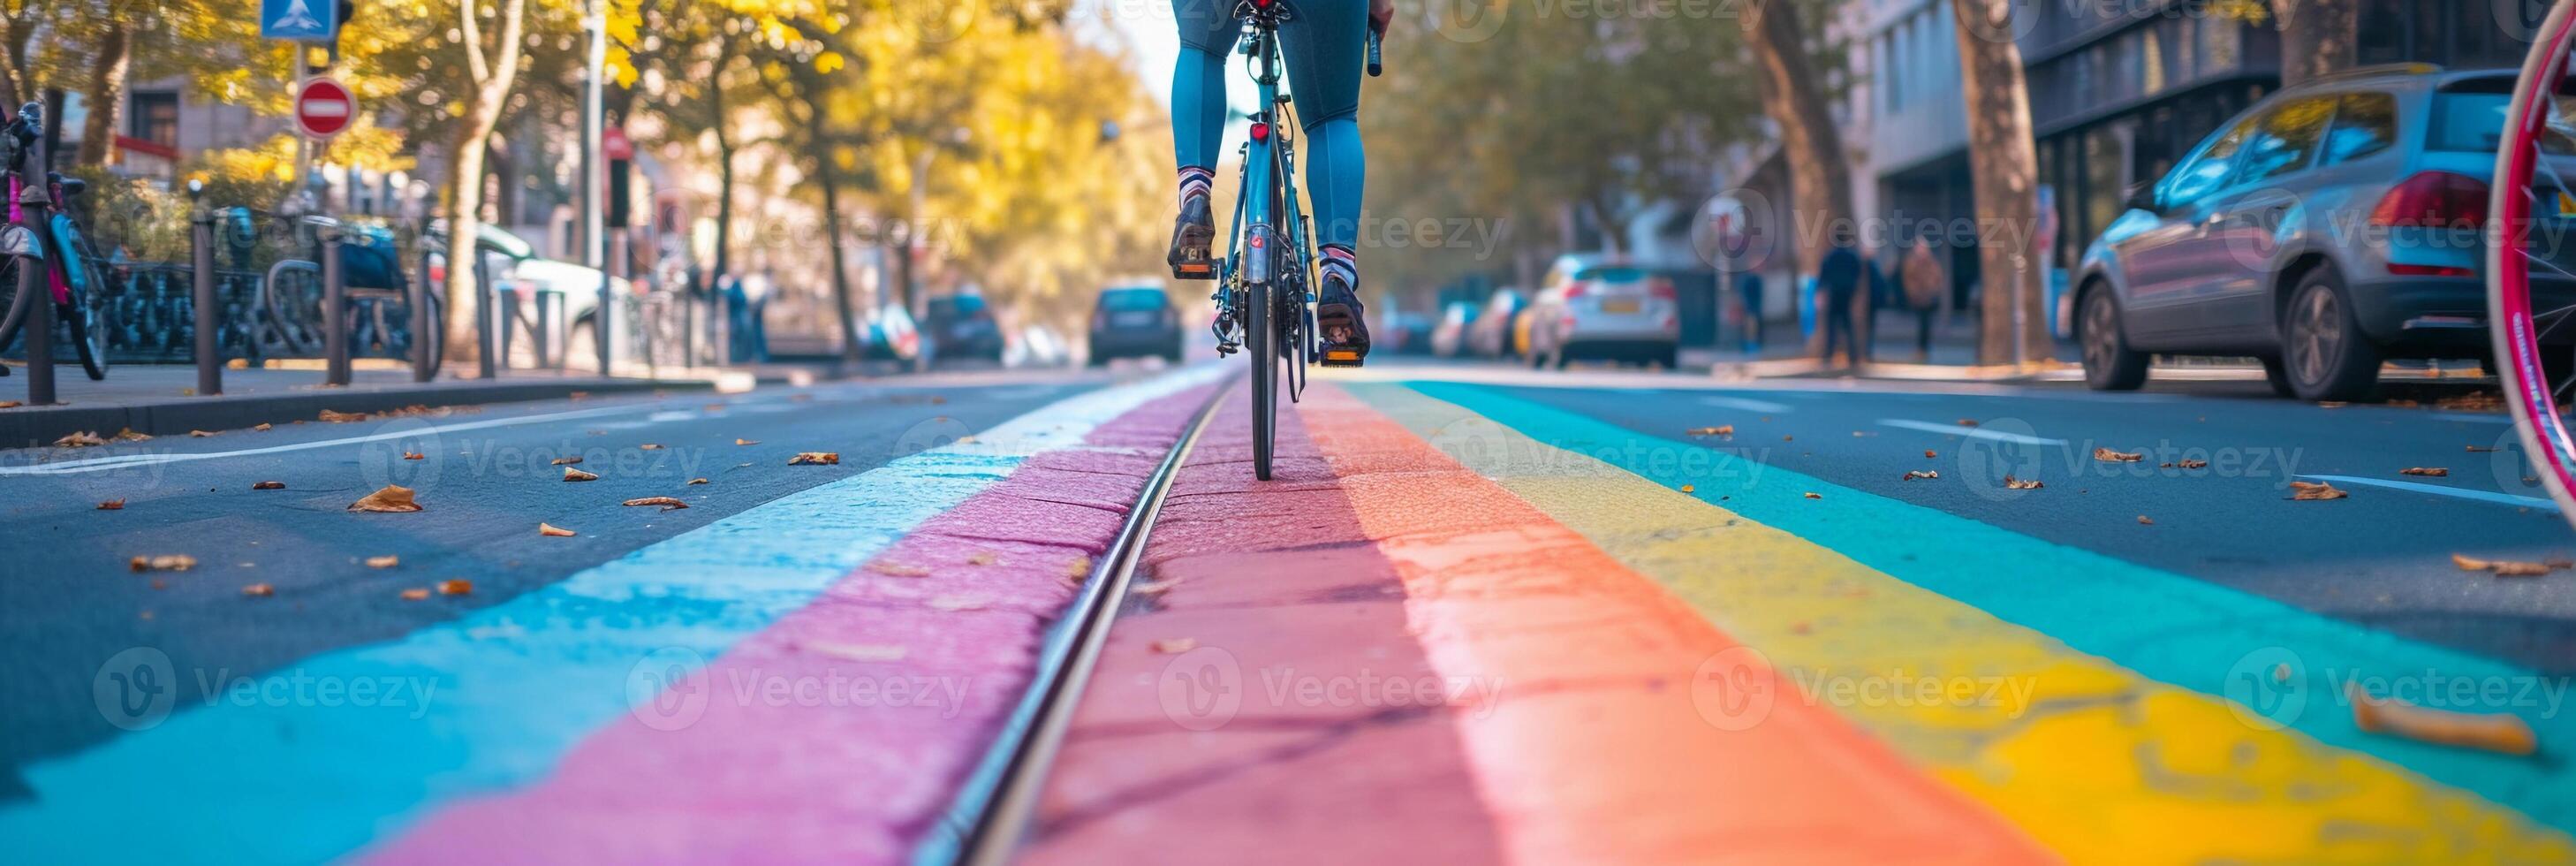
75, 276
375, 287
1265, 280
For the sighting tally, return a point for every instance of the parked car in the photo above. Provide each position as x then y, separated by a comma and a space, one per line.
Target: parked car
1606, 309
1490, 335
1408, 333
2329, 227
1038, 346
890, 336
513, 266
962, 327
1450, 336
1135, 321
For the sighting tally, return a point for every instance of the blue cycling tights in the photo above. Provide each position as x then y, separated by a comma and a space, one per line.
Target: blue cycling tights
1321, 45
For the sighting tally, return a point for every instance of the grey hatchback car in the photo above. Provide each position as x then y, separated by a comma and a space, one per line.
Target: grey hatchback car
2331, 226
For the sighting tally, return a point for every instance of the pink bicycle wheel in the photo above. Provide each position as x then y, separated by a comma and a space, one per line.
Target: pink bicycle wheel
2531, 263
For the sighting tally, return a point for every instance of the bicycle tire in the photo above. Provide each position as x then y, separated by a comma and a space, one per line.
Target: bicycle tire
2523, 365
87, 316
1260, 346
12, 313
289, 324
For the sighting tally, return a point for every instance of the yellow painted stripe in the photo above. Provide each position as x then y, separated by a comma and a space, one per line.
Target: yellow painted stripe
2095, 761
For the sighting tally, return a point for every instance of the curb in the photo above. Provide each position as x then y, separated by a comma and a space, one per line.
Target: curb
33, 426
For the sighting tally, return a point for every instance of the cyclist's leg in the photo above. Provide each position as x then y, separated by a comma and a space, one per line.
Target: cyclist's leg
1323, 46
1208, 32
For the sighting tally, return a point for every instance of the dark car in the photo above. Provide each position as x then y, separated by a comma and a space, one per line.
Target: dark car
962, 326
2331, 226
1135, 322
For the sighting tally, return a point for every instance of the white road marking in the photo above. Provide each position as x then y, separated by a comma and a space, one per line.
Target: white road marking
1747, 405
2472, 418
101, 464
1969, 432
2438, 490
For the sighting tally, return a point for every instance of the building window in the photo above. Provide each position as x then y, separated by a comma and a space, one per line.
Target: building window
155, 118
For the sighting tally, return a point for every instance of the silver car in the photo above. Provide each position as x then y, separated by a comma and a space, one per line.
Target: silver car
2331, 226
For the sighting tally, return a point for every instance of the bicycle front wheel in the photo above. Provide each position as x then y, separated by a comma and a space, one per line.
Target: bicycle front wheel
1261, 346
2531, 265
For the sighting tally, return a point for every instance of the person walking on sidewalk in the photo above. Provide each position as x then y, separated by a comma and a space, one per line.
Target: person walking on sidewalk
1924, 285
1748, 291
1839, 280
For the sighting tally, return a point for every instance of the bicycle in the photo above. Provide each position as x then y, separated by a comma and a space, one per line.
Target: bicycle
375, 288
2531, 266
1265, 280
79, 285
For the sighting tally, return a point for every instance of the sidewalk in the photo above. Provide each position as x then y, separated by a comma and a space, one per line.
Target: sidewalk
160, 399
1892, 355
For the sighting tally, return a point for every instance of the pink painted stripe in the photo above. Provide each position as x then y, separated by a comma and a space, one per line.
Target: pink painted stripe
839, 732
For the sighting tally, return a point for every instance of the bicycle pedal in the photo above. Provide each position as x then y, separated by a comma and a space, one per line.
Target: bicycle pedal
1342, 358
1194, 271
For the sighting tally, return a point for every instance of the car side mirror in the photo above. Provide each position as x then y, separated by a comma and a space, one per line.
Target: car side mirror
2143, 197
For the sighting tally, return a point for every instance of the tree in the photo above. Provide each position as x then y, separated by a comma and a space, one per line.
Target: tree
2005, 166
1820, 185
492, 65
2317, 36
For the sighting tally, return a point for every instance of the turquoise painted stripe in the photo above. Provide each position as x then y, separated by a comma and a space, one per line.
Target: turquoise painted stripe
509, 689
2168, 627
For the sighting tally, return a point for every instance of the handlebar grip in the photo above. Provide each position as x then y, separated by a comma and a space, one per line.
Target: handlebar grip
1376, 66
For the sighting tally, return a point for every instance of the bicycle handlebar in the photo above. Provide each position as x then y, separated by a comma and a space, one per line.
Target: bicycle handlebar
1376, 37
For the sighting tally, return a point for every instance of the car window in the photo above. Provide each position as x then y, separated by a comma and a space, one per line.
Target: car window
2207, 170
2472, 121
2364, 124
1130, 300
2285, 140
1611, 274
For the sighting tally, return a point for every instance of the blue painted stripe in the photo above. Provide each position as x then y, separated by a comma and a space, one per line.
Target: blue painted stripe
509, 688
2165, 626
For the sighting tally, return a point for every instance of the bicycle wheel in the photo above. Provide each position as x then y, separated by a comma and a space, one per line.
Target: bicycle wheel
2531, 270
1261, 346
293, 290
12, 314
87, 317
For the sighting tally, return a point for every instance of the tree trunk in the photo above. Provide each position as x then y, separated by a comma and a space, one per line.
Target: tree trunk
826, 174
1820, 188
492, 80
724, 166
2004, 162
15, 33
106, 94
2317, 36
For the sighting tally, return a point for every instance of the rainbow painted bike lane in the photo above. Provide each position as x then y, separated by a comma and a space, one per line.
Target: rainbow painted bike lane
1461, 625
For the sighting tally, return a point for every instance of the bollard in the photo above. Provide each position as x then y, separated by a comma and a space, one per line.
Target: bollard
486, 305
603, 322
689, 330
335, 310
427, 325
34, 292
209, 311
549, 337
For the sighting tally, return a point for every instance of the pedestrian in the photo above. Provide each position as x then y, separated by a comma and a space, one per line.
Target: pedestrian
1924, 285
1748, 291
1840, 277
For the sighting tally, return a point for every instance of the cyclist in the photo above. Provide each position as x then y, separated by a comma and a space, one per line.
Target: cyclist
1322, 45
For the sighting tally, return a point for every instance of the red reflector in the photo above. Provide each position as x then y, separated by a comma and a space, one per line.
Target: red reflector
1256, 241
2429, 271
1261, 132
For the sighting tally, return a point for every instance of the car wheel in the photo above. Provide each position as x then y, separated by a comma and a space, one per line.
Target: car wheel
2109, 363
2327, 355
2276, 373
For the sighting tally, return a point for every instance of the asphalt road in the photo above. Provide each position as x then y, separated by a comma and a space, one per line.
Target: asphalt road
485, 478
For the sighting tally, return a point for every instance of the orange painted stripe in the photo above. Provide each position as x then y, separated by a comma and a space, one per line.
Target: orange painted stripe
1626, 728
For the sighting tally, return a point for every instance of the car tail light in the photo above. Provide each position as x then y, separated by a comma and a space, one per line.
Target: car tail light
1573, 291
2434, 199
1663, 289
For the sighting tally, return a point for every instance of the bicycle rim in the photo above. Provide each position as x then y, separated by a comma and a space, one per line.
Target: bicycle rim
1260, 341
12, 313
2523, 322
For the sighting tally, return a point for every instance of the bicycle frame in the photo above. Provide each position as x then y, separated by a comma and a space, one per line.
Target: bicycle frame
1269, 159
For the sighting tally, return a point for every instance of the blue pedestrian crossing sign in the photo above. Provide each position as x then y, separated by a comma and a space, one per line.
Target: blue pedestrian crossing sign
303, 20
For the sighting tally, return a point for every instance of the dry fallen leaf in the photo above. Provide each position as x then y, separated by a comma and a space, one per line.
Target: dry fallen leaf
2499, 732
414, 455
1725, 430
2426, 471
815, 458
1815, 496
650, 446
201, 434
571, 474
10, 404
1967, 422
2479, 449
112, 505
79, 440
2186, 464
1152, 587
577, 396
566, 461
415, 594
342, 417
859, 652
2503, 568
394, 497
2144, 520
983, 557
959, 602
455, 586
2331, 404
697, 481
259, 590
2107, 455
1078, 569
1914, 474
261, 428
897, 569
128, 435
667, 503
551, 530
1175, 646
383, 561
2011, 483
165, 562
742, 441
268, 485
2314, 490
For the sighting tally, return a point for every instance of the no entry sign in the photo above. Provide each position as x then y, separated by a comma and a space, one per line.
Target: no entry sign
323, 108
